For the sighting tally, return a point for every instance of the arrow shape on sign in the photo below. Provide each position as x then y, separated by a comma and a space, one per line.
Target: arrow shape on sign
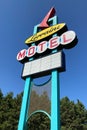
50, 14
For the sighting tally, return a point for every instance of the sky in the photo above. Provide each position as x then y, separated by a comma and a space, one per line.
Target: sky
17, 21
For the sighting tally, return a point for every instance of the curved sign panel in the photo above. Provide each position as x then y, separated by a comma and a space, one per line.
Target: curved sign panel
45, 33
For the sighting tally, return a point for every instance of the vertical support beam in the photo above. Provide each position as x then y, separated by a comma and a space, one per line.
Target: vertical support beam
23, 115
55, 101
55, 95
26, 98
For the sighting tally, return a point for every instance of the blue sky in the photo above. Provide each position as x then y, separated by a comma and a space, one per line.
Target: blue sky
17, 20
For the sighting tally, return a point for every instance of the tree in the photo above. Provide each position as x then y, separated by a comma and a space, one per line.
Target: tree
39, 121
1, 96
73, 116
39, 102
9, 112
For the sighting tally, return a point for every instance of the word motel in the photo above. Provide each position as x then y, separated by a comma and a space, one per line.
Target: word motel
65, 40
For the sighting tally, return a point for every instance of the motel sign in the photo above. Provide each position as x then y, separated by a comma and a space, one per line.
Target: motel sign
45, 56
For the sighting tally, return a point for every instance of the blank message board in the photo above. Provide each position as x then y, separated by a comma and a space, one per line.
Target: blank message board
43, 65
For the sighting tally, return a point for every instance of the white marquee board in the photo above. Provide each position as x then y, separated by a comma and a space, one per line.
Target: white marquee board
45, 64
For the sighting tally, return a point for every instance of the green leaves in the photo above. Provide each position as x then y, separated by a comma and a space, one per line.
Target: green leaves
39, 102
39, 121
73, 115
9, 111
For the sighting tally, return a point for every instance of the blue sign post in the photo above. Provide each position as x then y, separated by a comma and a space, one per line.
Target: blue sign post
26, 100
55, 93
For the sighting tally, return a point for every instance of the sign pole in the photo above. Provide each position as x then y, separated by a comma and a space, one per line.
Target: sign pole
23, 114
55, 101
55, 94
26, 98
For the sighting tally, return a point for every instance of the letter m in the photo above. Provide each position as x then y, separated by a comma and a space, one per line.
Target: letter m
21, 55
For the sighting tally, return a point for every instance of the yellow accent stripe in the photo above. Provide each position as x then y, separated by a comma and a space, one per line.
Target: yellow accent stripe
45, 33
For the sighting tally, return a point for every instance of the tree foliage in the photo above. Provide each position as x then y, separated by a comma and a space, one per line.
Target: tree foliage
39, 121
39, 102
73, 115
9, 111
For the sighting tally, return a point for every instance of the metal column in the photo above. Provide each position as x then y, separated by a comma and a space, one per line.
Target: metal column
55, 94
26, 99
